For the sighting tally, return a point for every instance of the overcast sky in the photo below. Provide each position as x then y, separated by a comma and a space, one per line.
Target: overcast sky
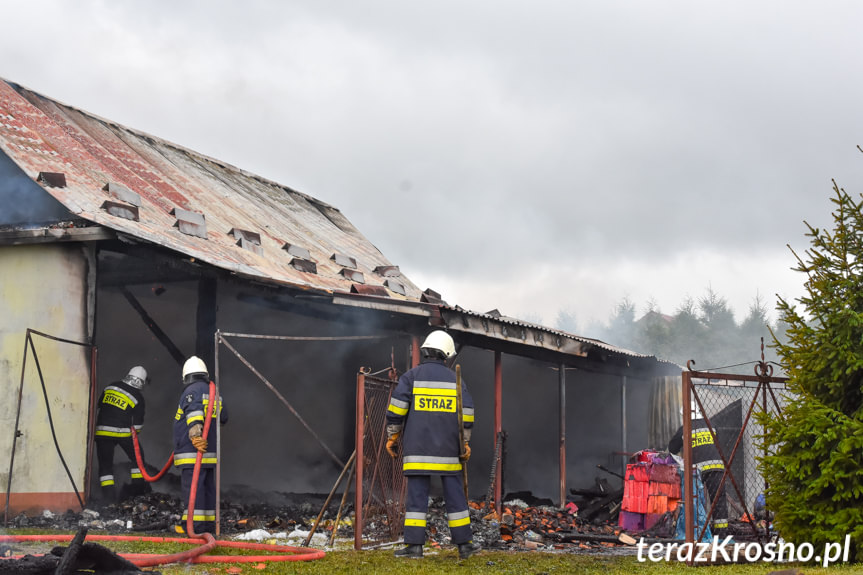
526, 156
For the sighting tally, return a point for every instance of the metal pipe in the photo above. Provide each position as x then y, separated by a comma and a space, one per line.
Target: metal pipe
306, 337
623, 423
562, 418
498, 428
688, 495
415, 351
91, 421
359, 459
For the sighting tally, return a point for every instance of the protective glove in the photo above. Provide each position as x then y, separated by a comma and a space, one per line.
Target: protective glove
392, 441
465, 455
200, 443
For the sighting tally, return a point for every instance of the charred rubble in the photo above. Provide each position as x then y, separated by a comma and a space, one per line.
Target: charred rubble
526, 523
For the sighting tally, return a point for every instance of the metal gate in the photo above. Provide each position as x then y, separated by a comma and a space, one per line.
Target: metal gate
380, 484
721, 406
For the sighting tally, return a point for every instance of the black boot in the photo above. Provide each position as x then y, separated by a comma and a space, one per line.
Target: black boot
415, 551
465, 550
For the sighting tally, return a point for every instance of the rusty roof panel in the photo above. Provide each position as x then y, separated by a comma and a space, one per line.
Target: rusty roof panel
44, 136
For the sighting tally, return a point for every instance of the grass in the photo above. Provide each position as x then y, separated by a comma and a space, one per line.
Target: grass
382, 562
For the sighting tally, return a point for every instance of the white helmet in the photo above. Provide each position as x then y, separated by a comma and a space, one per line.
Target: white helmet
136, 377
193, 366
441, 341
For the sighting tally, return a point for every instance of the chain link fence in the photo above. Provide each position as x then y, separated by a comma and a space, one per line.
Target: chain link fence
725, 447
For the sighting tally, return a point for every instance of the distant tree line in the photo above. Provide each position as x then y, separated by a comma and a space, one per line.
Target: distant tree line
703, 330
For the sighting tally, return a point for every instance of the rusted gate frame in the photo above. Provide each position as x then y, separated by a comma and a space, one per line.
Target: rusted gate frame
220, 339
763, 378
29, 345
393, 505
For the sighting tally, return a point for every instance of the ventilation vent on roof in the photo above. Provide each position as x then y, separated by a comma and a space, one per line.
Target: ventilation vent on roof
297, 251
344, 261
307, 266
190, 223
353, 275
248, 240
52, 179
431, 296
369, 290
395, 286
388, 271
121, 210
122, 193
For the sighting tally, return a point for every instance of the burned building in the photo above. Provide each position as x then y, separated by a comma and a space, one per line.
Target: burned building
118, 248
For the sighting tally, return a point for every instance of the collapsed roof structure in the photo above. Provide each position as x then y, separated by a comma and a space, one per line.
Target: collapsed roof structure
139, 251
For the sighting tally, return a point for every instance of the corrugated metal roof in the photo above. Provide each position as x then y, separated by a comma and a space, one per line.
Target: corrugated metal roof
184, 195
229, 218
519, 331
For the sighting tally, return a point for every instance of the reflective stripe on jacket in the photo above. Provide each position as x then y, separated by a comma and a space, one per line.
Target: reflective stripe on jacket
424, 402
191, 411
121, 407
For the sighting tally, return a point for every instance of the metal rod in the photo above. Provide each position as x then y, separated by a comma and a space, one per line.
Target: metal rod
688, 494
51, 423
562, 423
460, 418
15, 435
344, 500
415, 351
91, 422
305, 337
358, 451
623, 422
348, 465
290, 407
498, 429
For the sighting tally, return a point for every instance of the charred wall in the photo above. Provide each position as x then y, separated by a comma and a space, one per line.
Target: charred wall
264, 446
530, 417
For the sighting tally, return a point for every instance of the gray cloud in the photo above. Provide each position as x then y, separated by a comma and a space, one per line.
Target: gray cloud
472, 139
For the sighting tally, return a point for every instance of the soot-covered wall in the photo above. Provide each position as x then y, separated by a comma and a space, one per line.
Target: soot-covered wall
264, 447
530, 414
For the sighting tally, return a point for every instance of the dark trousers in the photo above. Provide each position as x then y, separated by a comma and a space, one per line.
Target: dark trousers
105, 455
711, 480
416, 508
204, 515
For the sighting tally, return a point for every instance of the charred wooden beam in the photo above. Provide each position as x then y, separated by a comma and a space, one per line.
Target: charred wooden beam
154, 328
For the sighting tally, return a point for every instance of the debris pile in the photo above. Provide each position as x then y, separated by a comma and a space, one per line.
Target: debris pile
519, 527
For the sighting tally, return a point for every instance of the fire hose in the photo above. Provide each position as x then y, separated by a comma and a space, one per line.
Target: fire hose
195, 555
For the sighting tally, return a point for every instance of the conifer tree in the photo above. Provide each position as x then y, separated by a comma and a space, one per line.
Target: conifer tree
814, 450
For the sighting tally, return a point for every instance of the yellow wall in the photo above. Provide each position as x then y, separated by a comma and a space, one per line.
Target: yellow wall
44, 287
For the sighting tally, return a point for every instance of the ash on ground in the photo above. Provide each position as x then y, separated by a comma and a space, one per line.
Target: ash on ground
245, 514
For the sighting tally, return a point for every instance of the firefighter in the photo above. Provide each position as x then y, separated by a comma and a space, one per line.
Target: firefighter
120, 408
707, 461
422, 414
189, 440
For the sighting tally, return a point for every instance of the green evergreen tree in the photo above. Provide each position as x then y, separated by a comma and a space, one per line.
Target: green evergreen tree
814, 461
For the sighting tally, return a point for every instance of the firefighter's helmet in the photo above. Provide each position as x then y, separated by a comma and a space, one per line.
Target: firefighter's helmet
441, 341
136, 377
194, 366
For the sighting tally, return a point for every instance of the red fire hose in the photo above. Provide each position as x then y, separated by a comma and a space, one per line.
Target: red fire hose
194, 555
